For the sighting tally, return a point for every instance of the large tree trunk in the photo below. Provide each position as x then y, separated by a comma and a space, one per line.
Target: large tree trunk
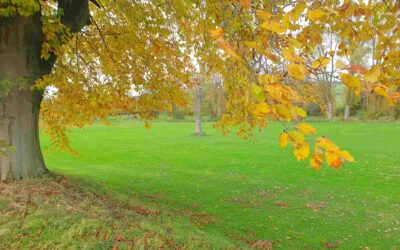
21, 41
21, 156
19, 132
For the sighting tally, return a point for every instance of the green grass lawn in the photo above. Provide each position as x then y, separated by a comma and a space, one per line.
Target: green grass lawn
241, 191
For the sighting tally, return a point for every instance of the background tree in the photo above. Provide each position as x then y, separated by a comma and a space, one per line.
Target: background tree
358, 57
215, 96
198, 103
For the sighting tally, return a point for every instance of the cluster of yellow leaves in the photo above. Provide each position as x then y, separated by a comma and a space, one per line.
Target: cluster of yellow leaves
129, 63
334, 156
297, 138
371, 80
284, 40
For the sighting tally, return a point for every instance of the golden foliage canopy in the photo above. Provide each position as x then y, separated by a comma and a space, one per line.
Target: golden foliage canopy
263, 49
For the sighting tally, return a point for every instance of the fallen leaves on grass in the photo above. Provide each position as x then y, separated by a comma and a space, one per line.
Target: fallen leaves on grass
266, 194
282, 204
328, 245
263, 244
87, 218
245, 202
202, 218
256, 244
316, 206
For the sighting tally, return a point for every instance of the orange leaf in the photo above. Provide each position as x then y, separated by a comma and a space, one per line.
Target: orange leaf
316, 159
245, 4
357, 69
334, 159
216, 33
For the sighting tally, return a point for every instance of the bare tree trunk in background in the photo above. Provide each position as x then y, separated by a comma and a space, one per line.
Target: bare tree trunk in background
330, 112
348, 101
346, 112
197, 110
329, 109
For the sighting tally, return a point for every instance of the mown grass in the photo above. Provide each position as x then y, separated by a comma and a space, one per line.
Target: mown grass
235, 192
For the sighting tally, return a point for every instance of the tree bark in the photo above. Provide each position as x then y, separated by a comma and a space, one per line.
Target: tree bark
329, 110
346, 112
197, 111
19, 132
349, 100
21, 156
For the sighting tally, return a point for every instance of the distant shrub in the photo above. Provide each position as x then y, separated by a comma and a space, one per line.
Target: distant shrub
178, 115
313, 109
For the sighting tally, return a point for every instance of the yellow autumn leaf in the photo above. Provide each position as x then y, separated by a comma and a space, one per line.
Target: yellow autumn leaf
306, 128
282, 112
297, 11
245, 4
373, 74
315, 15
283, 139
260, 49
351, 82
251, 44
301, 151
262, 109
286, 21
291, 56
300, 112
273, 26
320, 62
340, 65
296, 137
297, 71
216, 33
347, 156
316, 159
326, 144
263, 15
383, 91
266, 78
229, 50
